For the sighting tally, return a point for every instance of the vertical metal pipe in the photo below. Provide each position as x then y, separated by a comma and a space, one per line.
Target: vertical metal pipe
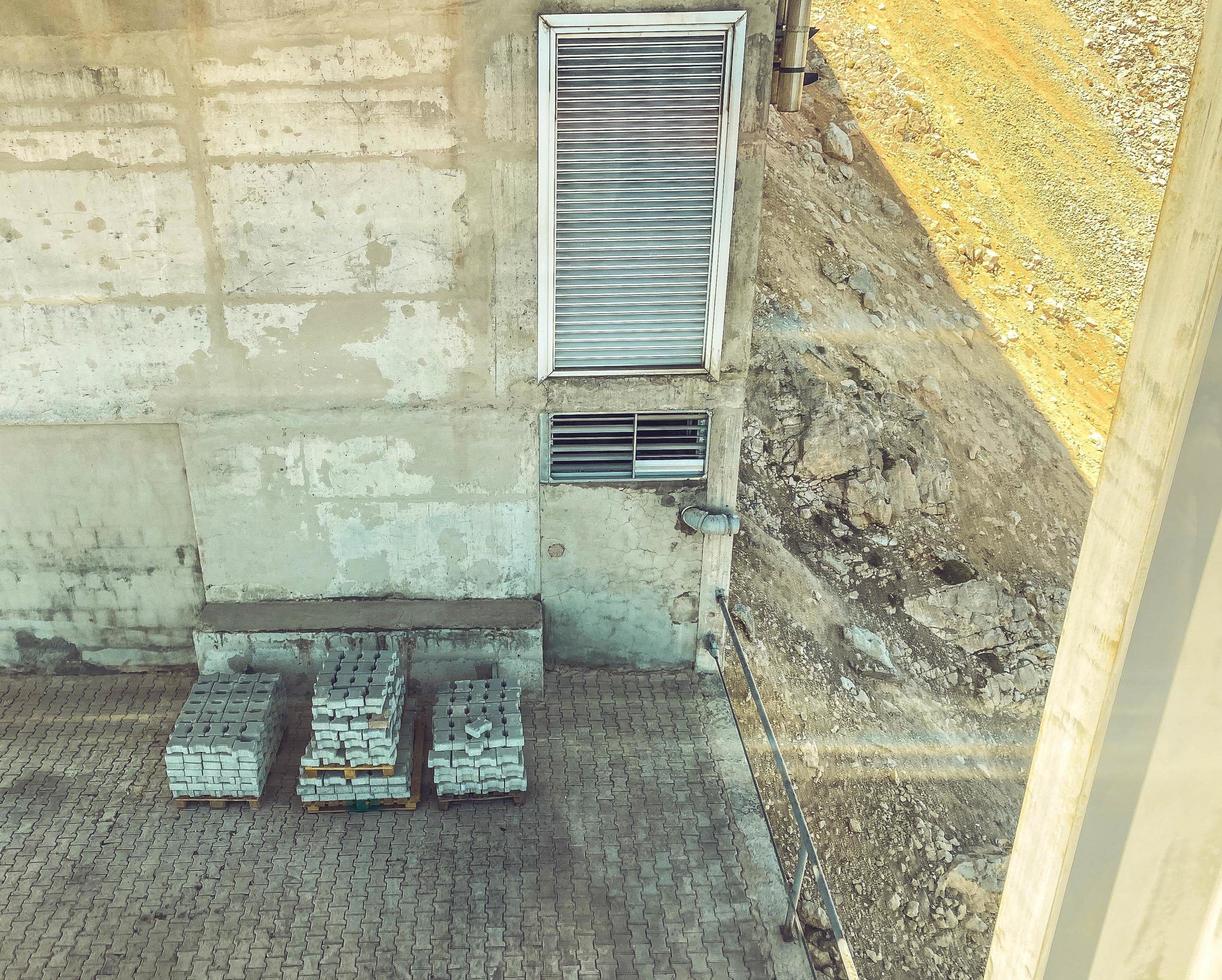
794, 42
781, 6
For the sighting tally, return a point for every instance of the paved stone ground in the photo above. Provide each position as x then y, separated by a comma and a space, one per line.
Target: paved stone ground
639, 852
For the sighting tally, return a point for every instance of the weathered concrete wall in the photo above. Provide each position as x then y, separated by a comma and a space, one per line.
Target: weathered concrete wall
422, 504
614, 557
306, 233
98, 566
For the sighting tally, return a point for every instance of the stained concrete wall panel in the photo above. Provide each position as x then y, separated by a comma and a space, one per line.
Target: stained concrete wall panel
354, 122
122, 116
620, 583
344, 351
511, 106
90, 235
350, 59
316, 228
423, 503
92, 362
80, 83
121, 147
515, 304
98, 566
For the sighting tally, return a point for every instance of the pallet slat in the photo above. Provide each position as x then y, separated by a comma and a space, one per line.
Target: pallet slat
349, 771
216, 802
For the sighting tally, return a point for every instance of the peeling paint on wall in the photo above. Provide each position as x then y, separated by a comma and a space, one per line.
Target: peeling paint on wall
92, 362
420, 503
422, 354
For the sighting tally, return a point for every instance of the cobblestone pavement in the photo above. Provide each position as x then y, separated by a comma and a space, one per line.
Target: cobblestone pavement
636, 853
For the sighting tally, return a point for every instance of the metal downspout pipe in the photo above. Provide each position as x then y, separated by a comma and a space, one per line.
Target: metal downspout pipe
789, 73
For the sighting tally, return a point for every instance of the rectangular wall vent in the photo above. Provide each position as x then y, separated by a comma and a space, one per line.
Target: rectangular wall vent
639, 127
626, 446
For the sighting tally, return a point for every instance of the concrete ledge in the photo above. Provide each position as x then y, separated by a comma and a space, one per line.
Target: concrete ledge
361, 615
440, 640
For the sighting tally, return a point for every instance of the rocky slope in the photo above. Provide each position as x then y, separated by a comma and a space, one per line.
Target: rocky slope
911, 510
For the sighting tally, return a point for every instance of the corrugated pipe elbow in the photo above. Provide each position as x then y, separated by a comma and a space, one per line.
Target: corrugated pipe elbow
707, 521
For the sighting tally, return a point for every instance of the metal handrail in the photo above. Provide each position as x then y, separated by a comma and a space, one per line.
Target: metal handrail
806, 846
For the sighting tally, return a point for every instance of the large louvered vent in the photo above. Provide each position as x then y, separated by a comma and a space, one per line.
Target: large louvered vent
653, 446
639, 170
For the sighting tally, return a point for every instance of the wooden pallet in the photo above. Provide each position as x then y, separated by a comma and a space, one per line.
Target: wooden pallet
216, 802
444, 801
349, 771
419, 748
360, 806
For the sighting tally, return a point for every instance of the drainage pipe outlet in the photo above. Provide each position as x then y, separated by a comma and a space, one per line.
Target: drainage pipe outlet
707, 521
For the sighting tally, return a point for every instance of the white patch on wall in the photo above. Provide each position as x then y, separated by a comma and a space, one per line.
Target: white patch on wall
339, 122
363, 466
413, 329
122, 147
352, 60
338, 227
85, 115
92, 362
90, 235
417, 502
434, 549
32, 85
245, 470
264, 327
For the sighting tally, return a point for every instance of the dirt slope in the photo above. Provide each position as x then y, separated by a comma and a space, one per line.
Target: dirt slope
923, 430
1035, 162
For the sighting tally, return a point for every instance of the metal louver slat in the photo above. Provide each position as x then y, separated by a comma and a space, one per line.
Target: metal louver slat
590, 447
636, 178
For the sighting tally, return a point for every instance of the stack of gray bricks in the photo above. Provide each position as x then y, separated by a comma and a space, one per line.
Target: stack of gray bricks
477, 739
225, 739
357, 716
335, 787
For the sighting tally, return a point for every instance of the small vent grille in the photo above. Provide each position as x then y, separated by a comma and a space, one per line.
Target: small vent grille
652, 446
638, 129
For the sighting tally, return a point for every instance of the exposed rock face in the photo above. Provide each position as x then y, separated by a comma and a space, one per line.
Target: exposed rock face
1001, 631
977, 616
870, 454
976, 881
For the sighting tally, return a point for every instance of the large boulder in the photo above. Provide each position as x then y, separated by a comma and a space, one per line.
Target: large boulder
836, 144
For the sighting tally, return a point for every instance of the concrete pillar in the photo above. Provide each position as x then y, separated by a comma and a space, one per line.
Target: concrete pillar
1117, 864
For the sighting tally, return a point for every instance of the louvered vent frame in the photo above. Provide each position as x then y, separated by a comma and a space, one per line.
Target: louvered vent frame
590, 447
637, 144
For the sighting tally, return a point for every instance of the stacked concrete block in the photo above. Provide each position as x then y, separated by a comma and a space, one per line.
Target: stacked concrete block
357, 710
357, 722
328, 787
225, 739
478, 739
